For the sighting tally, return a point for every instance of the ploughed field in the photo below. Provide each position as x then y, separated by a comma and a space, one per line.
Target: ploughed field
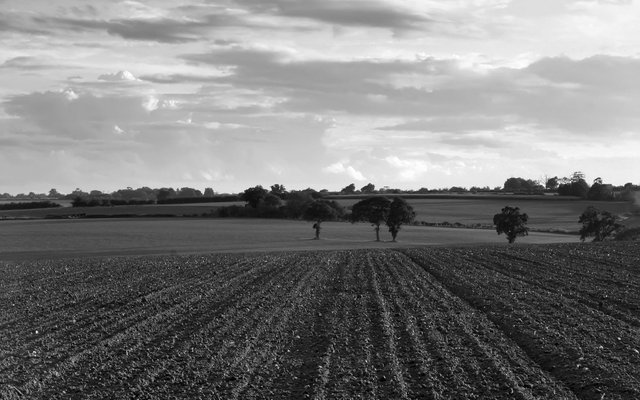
518, 322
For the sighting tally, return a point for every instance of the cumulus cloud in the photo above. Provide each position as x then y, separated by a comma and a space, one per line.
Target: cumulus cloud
409, 170
120, 76
118, 131
341, 168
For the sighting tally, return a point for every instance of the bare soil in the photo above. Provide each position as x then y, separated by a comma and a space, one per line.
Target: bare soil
501, 322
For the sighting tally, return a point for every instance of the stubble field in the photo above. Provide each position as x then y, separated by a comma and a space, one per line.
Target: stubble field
502, 322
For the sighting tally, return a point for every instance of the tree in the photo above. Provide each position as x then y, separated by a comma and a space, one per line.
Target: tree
297, 202
373, 210
208, 192
522, 185
350, 189
368, 188
320, 211
53, 194
187, 192
511, 222
270, 201
579, 188
578, 176
254, 195
165, 194
399, 213
597, 223
279, 190
600, 191
552, 183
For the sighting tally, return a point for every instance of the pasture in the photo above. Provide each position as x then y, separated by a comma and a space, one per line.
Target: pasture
551, 214
558, 321
545, 213
20, 239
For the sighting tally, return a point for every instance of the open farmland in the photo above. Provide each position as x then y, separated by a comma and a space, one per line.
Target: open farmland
546, 213
130, 236
502, 322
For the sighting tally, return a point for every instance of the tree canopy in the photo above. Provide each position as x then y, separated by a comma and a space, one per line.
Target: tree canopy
522, 185
349, 189
597, 223
254, 195
320, 211
373, 210
400, 212
511, 222
368, 188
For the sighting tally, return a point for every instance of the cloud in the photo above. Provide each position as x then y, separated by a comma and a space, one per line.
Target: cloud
475, 19
120, 76
461, 123
341, 168
71, 114
353, 13
409, 170
23, 63
118, 131
582, 97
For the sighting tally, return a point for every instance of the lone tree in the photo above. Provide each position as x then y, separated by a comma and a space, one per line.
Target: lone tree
597, 223
320, 211
374, 210
511, 222
399, 213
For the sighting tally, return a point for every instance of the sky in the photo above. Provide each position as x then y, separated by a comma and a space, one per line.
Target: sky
230, 94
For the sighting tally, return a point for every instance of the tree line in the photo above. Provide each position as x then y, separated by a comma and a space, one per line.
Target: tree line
574, 185
309, 205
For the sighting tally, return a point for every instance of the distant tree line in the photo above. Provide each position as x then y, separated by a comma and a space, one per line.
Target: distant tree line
29, 205
145, 195
575, 185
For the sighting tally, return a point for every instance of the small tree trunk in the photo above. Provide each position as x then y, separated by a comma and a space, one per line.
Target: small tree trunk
317, 226
377, 233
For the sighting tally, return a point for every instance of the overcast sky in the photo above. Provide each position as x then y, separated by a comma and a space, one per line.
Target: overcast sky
322, 93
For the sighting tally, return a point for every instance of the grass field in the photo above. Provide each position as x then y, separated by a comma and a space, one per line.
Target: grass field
545, 213
497, 322
548, 214
83, 237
